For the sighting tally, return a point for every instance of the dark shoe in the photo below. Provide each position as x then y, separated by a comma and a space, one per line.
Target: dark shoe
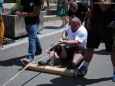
82, 71
43, 63
70, 64
113, 77
26, 61
50, 63
38, 53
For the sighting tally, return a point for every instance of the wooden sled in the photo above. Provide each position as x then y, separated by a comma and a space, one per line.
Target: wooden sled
53, 70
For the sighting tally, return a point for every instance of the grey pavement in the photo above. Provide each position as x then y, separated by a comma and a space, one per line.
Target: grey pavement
99, 72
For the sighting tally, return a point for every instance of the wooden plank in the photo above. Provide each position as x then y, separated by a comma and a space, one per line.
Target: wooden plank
53, 70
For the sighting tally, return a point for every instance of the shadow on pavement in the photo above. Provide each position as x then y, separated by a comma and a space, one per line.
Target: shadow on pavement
13, 61
102, 52
51, 27
65, 81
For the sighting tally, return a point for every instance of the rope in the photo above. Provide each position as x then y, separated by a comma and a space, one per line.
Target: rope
29, 64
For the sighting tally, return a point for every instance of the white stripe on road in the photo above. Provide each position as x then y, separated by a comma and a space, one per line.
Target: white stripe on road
24, 40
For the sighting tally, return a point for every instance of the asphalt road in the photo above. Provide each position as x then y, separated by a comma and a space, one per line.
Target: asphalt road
99, 72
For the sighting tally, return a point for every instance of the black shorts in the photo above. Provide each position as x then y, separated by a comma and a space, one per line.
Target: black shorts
99, 33
71, 50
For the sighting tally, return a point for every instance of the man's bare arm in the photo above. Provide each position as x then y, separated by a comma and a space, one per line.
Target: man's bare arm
35, 12
105, 4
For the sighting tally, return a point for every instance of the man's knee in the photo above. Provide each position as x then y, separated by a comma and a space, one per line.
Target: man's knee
57, 48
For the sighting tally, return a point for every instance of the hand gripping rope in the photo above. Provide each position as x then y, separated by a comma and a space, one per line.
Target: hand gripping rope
36, 60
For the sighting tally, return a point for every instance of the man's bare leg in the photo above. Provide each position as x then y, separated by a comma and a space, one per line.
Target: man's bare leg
87, 58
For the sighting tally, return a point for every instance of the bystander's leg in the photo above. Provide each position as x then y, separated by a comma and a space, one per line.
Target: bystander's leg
1, 31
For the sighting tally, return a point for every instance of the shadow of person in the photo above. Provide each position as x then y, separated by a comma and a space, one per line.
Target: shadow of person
51, 27
13, 61
67, 81
102, 52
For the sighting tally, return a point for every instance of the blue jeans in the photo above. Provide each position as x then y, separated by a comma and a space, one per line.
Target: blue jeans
34, 42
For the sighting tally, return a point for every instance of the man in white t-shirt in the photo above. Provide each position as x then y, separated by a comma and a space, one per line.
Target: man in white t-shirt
71, 47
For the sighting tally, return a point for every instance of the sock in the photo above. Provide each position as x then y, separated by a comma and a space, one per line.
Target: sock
113, 69
84, 63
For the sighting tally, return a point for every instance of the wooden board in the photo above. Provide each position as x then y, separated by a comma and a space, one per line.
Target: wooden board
53, 70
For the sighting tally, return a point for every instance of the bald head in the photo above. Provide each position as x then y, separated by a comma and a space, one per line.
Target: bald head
76, 20
75, 24
73, 6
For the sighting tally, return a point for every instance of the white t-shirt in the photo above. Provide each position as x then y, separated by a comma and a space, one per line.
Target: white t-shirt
80, 35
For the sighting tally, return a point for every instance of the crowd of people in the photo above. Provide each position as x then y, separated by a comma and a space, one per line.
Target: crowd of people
78, 41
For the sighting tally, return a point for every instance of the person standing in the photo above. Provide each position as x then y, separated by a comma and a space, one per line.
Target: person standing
30, 10
48, 4
62, 10
99, 29
1, 24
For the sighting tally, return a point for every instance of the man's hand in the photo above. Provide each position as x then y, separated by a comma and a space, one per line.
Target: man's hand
63, 38
18, 13
24, 14
62, 41
21, 13
88, 25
